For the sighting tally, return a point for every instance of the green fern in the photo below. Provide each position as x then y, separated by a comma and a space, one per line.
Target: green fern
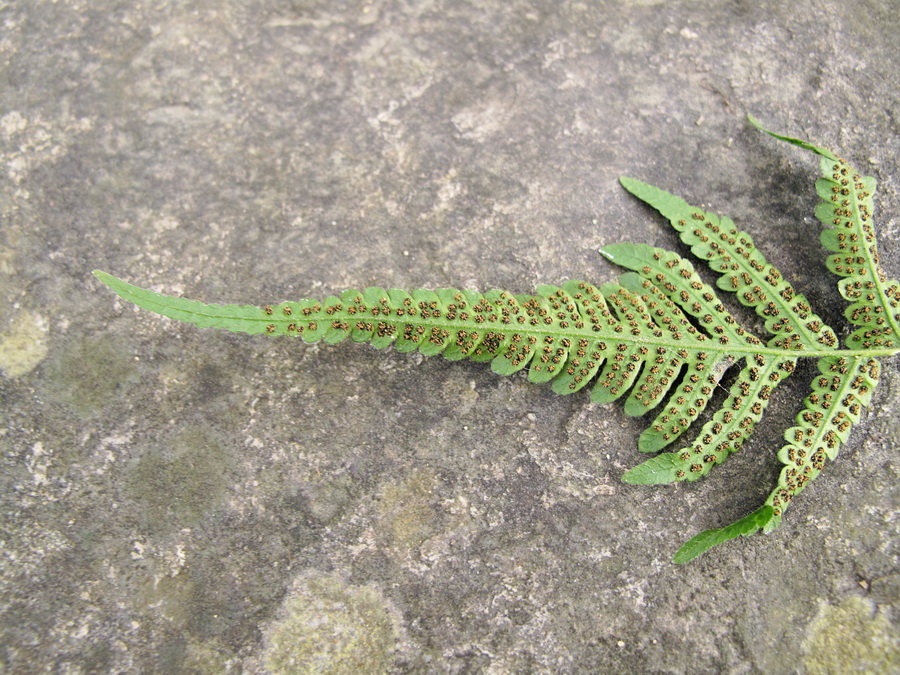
660, 334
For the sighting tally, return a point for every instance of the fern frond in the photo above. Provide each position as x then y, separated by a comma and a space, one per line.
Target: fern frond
659, 334
570, 335
846, 381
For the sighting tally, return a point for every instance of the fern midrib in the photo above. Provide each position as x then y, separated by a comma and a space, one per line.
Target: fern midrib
710, 345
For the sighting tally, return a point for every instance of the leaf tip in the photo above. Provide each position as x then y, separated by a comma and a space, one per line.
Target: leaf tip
618, 252
707, 539
755, 122
658, 470
685, 554
107, 279
806, 145
630, 184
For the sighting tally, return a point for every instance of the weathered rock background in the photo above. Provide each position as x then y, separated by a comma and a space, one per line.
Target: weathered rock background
177, 500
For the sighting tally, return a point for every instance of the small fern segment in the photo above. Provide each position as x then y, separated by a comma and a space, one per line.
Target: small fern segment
726, 432
842, 389
743, 269
750, 524
847, 208
669, 276
676, 278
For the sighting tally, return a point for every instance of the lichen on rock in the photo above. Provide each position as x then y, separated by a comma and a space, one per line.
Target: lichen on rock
852, 638
329, 626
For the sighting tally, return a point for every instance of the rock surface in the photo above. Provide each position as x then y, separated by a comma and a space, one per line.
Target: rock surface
178, 500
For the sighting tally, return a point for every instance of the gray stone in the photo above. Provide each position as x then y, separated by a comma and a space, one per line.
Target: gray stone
182, 500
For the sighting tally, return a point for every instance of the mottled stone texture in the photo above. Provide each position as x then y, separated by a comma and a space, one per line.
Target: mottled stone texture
177, 500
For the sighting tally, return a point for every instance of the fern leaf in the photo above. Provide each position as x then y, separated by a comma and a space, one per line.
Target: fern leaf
847, 209
843, 388
571, 335
624, 336
725, 433
744, 271
846, 381
839, 394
